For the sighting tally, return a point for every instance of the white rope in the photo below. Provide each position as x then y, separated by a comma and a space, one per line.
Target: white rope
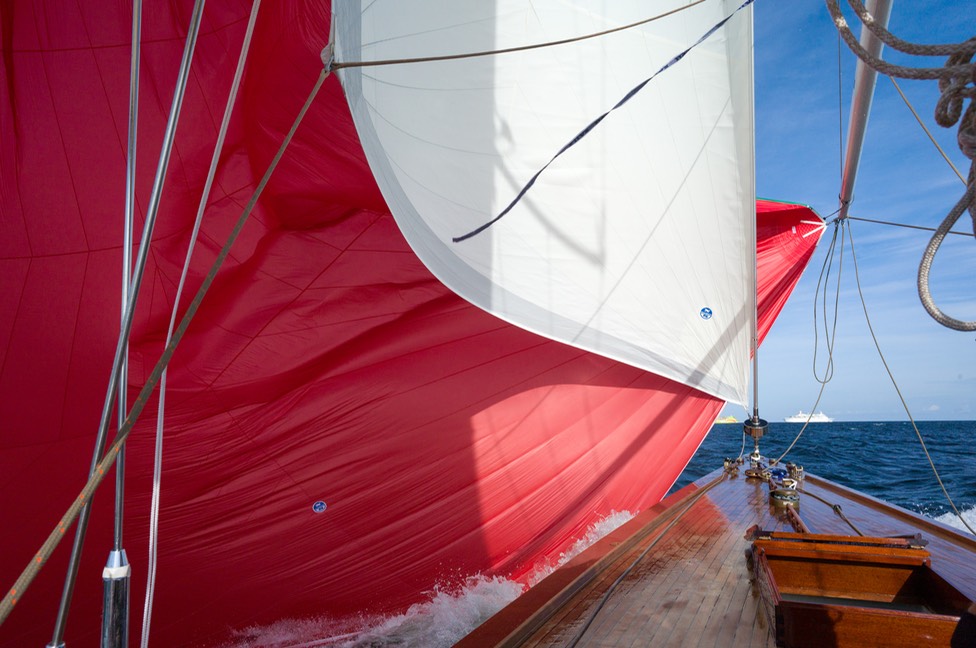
928, 257
158, 457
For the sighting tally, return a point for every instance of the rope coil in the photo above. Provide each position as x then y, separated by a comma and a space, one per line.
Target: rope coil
957, 84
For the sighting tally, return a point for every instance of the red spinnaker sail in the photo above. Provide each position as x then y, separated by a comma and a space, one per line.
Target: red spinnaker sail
326, 363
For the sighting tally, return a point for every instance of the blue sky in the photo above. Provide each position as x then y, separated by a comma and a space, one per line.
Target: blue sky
903, 179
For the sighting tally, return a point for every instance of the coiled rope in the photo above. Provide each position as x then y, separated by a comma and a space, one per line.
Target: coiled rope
957, 84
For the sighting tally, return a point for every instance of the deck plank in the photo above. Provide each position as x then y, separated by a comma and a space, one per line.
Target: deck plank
693, 589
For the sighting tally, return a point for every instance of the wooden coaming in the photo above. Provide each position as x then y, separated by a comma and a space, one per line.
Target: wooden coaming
693, 587
857, 591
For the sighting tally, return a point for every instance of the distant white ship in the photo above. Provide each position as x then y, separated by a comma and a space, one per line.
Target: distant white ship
801, 417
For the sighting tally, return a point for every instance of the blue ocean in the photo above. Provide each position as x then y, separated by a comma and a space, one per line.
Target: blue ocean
883, 459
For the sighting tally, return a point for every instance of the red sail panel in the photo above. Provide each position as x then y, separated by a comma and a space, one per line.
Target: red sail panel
786, 236
326, 364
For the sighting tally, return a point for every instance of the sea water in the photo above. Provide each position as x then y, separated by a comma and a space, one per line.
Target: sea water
882, 459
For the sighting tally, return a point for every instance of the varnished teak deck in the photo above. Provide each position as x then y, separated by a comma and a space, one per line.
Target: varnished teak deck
693, 587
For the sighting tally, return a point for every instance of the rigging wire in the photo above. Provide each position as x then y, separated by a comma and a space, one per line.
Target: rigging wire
338, 65
906, 225
894, 383
152, 213
54, 538
160, 414
824, 279
830, 335
927, 132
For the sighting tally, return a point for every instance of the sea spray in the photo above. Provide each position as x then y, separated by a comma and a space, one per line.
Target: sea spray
318, 631
444, 619
953, 520
594, 532
439, 622
448, 614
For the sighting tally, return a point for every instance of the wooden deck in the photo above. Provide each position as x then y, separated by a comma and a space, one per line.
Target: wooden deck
683, 575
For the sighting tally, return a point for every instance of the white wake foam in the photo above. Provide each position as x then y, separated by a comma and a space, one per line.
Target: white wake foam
953, 520
594, 532
445, 618
439, 622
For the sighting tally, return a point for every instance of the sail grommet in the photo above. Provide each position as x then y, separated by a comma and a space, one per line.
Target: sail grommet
319, 506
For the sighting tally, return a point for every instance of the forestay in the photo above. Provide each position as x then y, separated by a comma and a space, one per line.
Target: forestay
638, 242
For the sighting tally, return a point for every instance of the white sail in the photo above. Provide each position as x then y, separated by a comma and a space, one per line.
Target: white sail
638, 242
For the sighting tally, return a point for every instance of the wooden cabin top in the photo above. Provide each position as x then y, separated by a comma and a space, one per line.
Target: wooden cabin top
684, 576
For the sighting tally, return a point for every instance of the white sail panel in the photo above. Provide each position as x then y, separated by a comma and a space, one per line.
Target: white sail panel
638, 243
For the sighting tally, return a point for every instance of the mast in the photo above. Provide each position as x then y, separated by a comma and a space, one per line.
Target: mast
755, 426
864, 81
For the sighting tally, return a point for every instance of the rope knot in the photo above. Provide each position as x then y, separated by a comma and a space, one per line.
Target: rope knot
967, 134
955, 87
